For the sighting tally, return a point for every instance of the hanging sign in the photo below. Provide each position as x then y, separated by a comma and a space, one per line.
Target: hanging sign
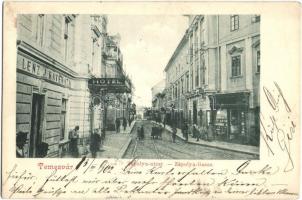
111, 85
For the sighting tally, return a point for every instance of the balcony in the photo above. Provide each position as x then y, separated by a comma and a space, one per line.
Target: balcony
113, 53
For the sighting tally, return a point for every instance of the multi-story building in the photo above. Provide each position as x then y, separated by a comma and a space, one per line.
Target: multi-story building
56, 56
223, 66
118, 104
178, 84
158, 95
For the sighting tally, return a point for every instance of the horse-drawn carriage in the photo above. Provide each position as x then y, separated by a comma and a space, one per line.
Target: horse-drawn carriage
156, 132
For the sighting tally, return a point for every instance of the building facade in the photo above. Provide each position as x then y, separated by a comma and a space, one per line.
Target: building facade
178, 84
223, 67
158, 95
56, 56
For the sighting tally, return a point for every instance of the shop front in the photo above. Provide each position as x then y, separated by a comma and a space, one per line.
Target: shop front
229, 114
41, 103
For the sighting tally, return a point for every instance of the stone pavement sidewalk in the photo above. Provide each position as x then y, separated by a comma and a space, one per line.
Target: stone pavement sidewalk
115, 144
253, 150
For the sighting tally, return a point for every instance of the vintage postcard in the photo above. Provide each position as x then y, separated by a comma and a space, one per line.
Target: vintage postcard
138, 100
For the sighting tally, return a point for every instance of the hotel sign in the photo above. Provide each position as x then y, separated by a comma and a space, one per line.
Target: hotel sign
114, 85
42, 71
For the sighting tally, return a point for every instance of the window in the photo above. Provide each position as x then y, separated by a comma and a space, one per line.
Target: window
191, 75
63, 119
234, 22
182, 86
40, 29
236, 65
203, 67
202, 37
187, 82
258, 61
256, 18
197, 75
66, 36
191, 49
196, 39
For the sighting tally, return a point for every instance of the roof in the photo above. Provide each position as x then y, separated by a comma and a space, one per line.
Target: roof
179, 46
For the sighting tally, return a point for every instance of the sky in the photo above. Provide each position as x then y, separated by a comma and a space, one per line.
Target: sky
147, 44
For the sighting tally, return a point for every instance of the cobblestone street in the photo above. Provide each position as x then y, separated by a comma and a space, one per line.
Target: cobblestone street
165, 149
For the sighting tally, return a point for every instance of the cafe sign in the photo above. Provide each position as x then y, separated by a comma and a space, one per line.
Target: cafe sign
42, 71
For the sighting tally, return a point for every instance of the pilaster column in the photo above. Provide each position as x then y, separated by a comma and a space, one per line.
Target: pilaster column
223, 69
249, 69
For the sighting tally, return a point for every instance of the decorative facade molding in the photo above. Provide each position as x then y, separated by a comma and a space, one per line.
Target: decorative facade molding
235, 49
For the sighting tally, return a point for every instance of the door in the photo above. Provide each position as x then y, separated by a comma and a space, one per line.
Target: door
36, 123
194, 112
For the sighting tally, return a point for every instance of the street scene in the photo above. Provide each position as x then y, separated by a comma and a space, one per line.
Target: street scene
146, 87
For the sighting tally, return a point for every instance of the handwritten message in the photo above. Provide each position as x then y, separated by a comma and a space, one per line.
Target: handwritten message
120, 179
278, 126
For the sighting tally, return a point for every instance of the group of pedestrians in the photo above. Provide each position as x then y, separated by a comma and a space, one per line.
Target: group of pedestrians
118, 124
199, 133
97, 138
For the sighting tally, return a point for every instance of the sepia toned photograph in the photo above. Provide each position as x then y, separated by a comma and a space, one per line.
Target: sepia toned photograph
151, 100
138, 86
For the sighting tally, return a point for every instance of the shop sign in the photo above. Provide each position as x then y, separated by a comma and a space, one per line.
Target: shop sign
42, 71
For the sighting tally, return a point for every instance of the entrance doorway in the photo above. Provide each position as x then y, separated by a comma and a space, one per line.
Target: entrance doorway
36, 123
194, 112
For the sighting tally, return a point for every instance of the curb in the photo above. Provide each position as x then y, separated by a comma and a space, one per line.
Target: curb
218, 147
213, 146
125, 147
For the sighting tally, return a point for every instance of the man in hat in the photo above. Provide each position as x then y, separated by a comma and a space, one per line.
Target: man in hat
74, 136
20, 142
174, 131
117, 125
95, 143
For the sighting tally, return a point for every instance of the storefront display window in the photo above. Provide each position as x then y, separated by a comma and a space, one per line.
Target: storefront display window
221, 124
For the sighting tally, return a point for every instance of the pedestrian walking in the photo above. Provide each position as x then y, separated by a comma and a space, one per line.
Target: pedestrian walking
124, 123
196, 132
203, 133
160, 131
210, 132
153, 132
95, 143
138, 132
117, 125
185, 131
103, 135
73, 137
174, 130
142, 132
